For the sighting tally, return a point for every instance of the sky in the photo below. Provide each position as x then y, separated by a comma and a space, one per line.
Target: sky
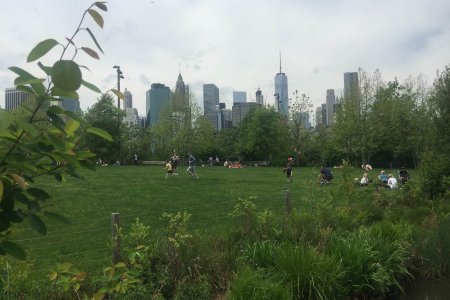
235, 44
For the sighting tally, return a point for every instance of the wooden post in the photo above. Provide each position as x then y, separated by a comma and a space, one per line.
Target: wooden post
287, 199
115, 238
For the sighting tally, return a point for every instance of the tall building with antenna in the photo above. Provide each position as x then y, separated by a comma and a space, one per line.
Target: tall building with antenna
281, 92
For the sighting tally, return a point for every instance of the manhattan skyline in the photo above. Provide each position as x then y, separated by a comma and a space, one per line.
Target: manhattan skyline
235, 45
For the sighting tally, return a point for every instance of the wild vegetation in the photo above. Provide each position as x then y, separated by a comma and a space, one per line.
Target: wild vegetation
215, 237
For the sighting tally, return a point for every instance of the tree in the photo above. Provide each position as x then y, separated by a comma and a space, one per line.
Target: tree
105, 115
32, 146
299, 110
265, 135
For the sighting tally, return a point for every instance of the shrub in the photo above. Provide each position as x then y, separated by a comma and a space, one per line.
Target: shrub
249, 284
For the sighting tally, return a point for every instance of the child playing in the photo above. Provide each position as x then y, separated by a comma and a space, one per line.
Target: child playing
168, 168
288, 169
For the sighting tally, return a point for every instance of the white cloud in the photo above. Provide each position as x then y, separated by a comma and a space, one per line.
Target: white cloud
235, 44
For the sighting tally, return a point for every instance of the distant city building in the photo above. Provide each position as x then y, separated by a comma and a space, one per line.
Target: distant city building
324, 114
239, 97
70, 104
281, 92
259, 97
303, 117
318, 116
330, 102
240, 110
128, 102
156, 98
14, 98
131, 117
210, 98
351, 85
181, 102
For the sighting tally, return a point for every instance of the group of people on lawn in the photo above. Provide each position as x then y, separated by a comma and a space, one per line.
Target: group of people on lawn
325, 174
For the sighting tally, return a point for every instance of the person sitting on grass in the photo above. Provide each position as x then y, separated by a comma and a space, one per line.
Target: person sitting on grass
392, 182
325, 175
364, 180
383, 177
403, 175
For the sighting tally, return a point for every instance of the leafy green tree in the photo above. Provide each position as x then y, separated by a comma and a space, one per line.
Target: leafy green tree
42, 140
105, 115
265, 135
299, 110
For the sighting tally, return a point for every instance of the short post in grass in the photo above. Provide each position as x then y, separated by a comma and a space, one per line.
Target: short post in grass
115, 238
287, 199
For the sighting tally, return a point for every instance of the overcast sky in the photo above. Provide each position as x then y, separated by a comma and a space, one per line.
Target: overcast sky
234, 44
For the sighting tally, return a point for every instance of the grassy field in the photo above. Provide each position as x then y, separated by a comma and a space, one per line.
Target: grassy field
143, 192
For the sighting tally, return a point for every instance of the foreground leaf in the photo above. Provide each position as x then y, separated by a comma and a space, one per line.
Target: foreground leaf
57, 217
37, 224
90, 86
13, 249
41, 49
66, 75
100, 132
97, 17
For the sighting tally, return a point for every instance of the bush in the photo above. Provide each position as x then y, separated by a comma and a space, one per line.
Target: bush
249, 284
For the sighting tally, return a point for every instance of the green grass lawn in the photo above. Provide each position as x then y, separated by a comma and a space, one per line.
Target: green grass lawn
143, 192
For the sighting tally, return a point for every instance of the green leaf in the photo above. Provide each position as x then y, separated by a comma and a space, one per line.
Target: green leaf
76, 117
100, 132
41, 49
26, 89
57, 217
6, 118
21, 72
46, 69
101, 5
13, 249
22, 124
43, 147
23, 80
97, 17
7, 202
85, 154
56, 109
56, 121
66, 75
37, 224
69, 94
39, 88
58, 177
71, 127
38, 193
90, 52
90, 86
1, 188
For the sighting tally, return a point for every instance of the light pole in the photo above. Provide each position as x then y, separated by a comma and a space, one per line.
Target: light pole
119, 76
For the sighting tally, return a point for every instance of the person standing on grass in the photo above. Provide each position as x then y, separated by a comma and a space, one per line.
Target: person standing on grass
288, 169
191, 168
174, 163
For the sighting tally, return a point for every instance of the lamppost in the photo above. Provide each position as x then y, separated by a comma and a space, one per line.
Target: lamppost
119, 76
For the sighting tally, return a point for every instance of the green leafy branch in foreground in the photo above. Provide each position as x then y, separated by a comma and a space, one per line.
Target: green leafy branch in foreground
41, 138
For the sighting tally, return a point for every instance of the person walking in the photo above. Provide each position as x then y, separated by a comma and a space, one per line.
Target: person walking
174, 162
191, 168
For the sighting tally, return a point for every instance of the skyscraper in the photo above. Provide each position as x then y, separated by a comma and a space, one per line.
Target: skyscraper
210, 98
239, 97
128, 102
259, 97
156, 98
181, 108
70, 104
351, 85
281, 92
240, 110
14, 98
330, 102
